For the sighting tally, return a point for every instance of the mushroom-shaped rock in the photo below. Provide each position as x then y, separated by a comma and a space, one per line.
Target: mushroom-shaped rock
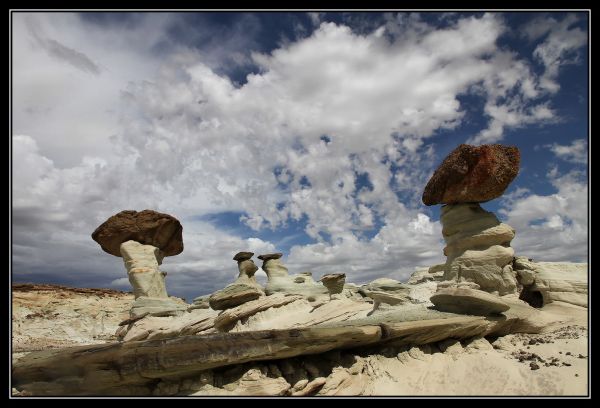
473, 174
468, 301
143, 239
146, 227
334, 282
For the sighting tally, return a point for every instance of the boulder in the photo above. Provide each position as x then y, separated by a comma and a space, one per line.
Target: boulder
472, 174
468, 301
146, 227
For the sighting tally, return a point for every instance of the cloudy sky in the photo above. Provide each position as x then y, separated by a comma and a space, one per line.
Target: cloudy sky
311, 134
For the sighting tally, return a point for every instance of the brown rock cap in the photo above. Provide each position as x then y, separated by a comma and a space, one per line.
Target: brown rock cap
332, 277
473, 174
266, 257
242, 256
147, 227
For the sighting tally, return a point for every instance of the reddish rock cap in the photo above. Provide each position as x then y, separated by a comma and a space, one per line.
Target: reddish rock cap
473, 174
146, 227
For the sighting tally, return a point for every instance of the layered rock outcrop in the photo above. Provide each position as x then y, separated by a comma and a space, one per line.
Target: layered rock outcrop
478, 248
468, 301
547, 282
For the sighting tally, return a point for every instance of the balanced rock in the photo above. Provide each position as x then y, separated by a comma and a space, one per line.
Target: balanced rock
478, 248
473, 174
468, 301
146, 227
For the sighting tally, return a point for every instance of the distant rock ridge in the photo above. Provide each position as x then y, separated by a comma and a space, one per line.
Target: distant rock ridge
50, 287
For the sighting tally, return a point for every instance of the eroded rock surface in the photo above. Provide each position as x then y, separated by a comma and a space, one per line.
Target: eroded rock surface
478, 248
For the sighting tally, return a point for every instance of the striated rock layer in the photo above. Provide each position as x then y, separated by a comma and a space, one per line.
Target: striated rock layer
553, 281
478, 248
141, 262
50, 316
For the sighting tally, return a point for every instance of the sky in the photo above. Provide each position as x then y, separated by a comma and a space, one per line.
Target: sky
307, 133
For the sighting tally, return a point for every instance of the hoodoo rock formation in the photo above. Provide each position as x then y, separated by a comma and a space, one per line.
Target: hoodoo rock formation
484, 315
244, 289
143, 239
477, 243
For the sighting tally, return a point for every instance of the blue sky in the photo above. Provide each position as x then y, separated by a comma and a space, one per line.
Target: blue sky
307, 133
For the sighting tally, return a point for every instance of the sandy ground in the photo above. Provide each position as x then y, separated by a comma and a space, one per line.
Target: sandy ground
551, 364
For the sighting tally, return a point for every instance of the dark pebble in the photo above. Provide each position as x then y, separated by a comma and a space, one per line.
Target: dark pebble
534, 366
